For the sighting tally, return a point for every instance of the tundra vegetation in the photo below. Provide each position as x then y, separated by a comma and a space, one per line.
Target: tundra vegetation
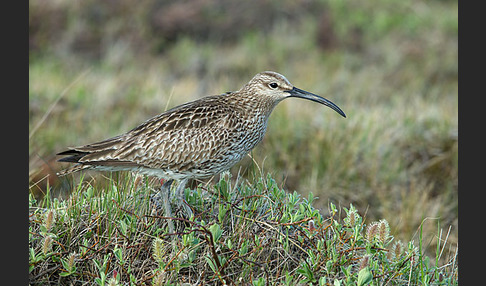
370, 199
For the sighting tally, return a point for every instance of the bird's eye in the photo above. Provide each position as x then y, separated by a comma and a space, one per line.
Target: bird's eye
273, 85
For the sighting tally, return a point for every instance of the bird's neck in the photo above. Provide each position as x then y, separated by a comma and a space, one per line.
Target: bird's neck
253, 105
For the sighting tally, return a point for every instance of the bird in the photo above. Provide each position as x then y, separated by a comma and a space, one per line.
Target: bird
195, 140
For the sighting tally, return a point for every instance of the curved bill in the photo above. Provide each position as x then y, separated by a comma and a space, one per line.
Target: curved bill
297, 92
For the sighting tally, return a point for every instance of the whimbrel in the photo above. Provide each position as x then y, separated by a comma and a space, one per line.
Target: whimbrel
195, 140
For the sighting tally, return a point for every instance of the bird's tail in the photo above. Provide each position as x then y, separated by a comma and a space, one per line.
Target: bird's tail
72, 169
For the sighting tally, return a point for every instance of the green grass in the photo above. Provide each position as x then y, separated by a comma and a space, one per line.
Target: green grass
251, 233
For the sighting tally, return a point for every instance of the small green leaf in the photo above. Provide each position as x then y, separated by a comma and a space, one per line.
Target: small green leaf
244, 248
310, 197
216, 231
259, 282
118, 254
221, 213
123, 227
364, 276
65, 274
211, 263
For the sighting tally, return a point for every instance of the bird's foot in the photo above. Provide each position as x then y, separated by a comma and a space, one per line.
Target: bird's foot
187, 210
181, 201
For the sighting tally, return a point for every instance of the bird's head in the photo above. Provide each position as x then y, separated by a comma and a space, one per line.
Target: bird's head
276, 87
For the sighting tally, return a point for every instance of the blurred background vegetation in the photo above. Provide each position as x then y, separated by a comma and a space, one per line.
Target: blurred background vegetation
99, 68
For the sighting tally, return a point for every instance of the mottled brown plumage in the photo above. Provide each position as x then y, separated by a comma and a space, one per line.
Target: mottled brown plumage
197, 139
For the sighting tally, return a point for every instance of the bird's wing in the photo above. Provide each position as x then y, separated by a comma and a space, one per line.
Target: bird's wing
178, 139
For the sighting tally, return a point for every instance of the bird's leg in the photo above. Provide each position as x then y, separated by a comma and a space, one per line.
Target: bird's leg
165, 192
163, 195
181, 200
